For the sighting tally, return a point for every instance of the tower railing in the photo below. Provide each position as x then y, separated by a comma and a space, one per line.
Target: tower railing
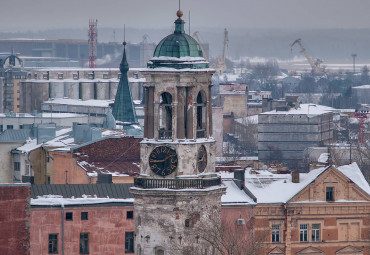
198, 183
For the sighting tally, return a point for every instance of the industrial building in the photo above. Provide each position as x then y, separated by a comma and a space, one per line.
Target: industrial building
284, 133
74, 83
16, 121
108, 54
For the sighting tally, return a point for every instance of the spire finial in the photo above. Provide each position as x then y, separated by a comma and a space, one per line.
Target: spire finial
179, 13
124, 36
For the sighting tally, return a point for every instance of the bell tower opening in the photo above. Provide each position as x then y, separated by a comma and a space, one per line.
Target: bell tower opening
201, 115
165, 116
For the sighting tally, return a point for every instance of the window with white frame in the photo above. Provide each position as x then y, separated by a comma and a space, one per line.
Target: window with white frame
275, 238
315, 233
303, 232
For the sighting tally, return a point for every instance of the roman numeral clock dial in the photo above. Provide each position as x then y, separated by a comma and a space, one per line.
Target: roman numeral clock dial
163, 160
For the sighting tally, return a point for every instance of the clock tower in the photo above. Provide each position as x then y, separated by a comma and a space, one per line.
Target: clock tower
178, 189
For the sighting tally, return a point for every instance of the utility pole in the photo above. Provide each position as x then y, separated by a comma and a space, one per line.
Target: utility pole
354, 62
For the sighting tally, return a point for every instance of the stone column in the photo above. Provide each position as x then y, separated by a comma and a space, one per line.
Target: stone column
181, 101
146, 113
174, 120
209, 113
156, 120
190, 114
151, 113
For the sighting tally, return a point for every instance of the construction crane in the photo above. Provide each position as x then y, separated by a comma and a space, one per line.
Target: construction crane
195, 36
220, 65
315, 65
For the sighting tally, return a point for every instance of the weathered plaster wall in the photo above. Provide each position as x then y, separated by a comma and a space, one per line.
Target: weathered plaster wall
160, 217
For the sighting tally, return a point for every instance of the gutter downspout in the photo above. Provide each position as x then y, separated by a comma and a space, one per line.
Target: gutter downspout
62, 206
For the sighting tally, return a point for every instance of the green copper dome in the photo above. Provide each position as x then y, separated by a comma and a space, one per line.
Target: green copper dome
178, 44
178, 50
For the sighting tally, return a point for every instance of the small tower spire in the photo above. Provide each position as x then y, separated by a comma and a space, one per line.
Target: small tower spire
123, 108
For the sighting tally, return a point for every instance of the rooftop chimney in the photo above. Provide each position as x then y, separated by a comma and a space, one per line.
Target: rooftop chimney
104, 178
295, 177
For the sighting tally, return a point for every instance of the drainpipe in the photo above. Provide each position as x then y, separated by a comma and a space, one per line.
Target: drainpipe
62, 206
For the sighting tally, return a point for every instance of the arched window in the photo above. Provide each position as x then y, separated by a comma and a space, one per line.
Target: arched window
159, 251
201, 114
165, 116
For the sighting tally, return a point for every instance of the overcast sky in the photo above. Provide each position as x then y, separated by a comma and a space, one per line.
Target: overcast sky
23, 15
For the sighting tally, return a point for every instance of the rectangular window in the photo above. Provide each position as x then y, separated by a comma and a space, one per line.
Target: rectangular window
84, 215
75, 76
303, 233
60, 76
129, 242
45, 76
53, 243
17, 166
329, 193
1, 128
84, 243
315, 234
35, 76
91, 75
129, 215
9, 127
69, 216
105, 76
275, 233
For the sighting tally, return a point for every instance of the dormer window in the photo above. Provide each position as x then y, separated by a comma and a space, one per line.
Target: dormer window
329, 194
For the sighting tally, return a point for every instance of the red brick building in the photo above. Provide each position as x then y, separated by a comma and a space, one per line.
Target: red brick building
14, 219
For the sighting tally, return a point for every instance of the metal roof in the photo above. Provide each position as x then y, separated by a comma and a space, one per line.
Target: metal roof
12, 136
111, 190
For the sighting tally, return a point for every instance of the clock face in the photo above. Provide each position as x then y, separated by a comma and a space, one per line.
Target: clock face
202, 158
163, 160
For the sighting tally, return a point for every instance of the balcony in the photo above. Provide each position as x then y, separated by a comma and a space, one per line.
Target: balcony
199, 183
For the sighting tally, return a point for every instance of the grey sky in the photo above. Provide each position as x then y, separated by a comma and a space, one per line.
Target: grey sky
290, 14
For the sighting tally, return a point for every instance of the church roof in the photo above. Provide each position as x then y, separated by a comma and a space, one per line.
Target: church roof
178, 50
123, 108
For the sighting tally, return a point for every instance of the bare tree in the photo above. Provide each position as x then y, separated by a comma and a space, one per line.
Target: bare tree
225, 238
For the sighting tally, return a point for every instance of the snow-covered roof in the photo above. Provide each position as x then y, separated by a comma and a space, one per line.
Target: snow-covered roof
91, 102
362, 87
63, 139
354, 173
57, 200
305, 109
279, 188
59, 140
253, 119
234, 195
43, 115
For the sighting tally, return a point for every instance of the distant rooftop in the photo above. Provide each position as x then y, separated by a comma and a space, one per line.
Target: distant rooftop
305, 109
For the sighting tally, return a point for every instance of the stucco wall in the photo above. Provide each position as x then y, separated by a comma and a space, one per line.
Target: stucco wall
106, 226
